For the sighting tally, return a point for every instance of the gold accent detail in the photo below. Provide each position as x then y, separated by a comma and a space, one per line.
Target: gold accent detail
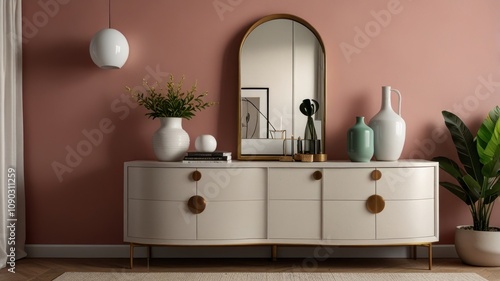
274, 252
319, 157
376, 175
375, 204
306, 158
197, 204
131, 255
196, 175
286, 159
317, 175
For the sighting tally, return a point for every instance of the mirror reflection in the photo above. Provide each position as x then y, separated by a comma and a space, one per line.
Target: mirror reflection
282, 63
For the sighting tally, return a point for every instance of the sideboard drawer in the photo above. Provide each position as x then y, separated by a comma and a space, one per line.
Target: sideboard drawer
348, 184
406, 219
233, 220
232, 184
406, 183
294, 219
294, 184
160, 184
152, 219
347, 220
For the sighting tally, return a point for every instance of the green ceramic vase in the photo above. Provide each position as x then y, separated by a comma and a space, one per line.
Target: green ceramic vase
360, 145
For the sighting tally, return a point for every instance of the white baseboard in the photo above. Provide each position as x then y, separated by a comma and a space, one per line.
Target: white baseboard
314, 252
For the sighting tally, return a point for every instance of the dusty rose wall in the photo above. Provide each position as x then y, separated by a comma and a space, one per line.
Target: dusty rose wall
439, 54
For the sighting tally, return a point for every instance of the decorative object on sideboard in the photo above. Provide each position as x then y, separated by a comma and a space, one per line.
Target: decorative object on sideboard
171, 104
170, 141
109, 48
297, 152
360, 141
389, 128
205, 143
477, 185
193, 157
308, 107
309, 148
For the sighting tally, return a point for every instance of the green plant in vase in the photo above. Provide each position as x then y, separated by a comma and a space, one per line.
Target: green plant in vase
478, 178
309, 107
171, 104
170, 100
477, 184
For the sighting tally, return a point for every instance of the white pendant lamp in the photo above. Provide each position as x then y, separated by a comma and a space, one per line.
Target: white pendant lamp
109, 48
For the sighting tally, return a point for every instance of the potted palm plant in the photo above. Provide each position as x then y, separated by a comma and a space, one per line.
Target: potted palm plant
170, 103
477, 184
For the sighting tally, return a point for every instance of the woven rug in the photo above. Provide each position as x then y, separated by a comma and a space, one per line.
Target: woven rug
268, 276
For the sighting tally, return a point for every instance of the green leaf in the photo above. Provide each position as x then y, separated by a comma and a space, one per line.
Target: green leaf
492, 193
464, 144
492, 168
449, 166
472, 188
488, 136
457, 191
170, 101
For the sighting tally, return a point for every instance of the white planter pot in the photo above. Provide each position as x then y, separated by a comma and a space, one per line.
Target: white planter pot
480, 248
170, 141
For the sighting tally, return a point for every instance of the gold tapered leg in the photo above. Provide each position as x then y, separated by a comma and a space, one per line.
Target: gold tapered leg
414, 251
274, 252
149, 255
430, 256
131, 255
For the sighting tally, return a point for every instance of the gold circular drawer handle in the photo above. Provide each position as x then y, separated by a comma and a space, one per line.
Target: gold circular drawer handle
317, 175
375, 204
196, 175
376, 175
197, 204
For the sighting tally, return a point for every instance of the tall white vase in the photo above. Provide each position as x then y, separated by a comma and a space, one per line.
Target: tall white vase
170, 141
389, 129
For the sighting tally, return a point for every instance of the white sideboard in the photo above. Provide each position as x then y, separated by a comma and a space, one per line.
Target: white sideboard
281, 203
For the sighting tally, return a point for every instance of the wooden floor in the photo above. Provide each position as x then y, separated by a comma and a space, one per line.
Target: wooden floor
48, 269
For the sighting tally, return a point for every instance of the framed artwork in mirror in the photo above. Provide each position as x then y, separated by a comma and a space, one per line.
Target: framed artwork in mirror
254, 113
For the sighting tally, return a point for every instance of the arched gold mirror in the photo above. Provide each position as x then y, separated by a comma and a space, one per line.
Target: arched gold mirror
282, 63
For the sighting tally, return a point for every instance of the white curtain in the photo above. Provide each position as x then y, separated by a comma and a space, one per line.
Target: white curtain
12, 209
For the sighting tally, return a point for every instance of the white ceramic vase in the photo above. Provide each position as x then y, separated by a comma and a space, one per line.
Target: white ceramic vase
389, 129
170, 141
480, 248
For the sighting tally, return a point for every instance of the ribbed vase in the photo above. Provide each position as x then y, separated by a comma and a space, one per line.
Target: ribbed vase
360, 141
170, 141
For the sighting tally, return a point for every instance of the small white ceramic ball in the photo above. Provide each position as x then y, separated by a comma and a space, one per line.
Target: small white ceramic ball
205, 143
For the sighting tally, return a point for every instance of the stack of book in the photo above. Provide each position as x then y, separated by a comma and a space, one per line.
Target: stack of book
207, 157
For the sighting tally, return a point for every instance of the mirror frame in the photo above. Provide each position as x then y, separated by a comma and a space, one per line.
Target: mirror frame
264, 157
